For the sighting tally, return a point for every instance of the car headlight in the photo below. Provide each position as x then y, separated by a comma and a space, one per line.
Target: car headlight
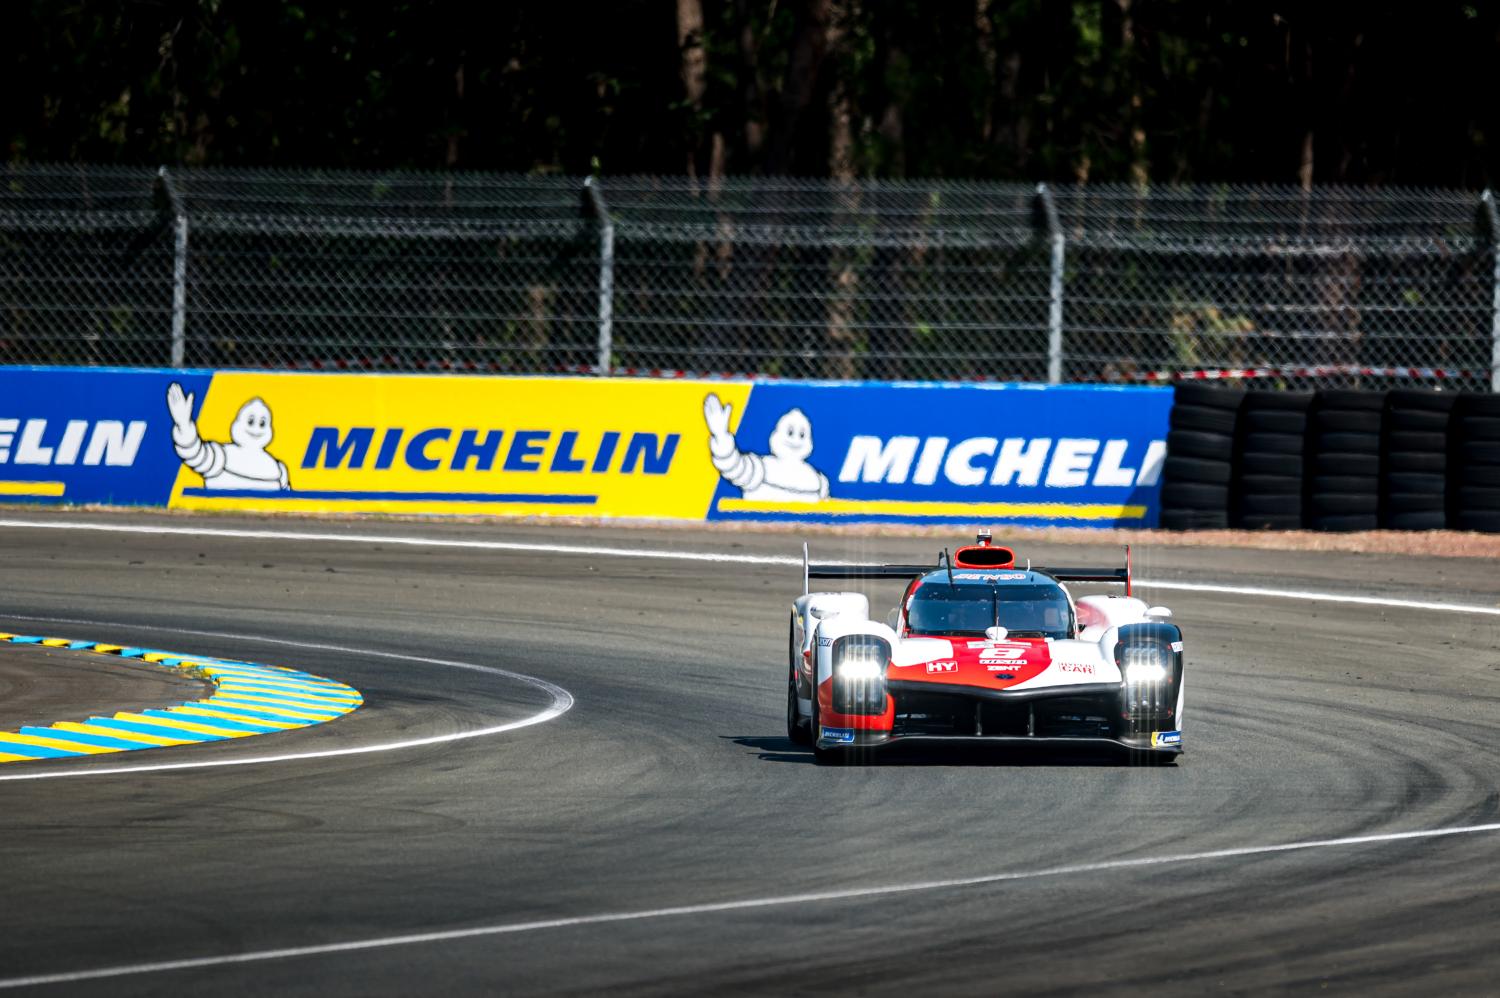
859, 662
860, 668
1145, 672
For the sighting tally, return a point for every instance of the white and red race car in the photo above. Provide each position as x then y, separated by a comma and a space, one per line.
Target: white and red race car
980, 650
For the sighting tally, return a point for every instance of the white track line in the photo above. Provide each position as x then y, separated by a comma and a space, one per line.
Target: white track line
670, 554
562, 700
780, 900
432, 542
1385, 601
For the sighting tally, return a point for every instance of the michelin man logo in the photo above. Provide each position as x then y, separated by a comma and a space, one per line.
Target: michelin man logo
783, 474
243, 463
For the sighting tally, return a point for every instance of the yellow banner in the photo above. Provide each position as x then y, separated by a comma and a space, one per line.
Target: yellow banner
435, 444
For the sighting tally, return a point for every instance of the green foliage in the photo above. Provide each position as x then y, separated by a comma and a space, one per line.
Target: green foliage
1062, 90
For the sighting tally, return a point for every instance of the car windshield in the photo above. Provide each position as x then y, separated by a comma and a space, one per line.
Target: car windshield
1039, 611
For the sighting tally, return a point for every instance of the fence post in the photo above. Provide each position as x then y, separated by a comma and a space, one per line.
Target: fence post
1055, 288
179, 269
1488, 201
606, 273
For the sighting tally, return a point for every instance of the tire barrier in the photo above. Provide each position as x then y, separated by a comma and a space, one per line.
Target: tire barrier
1475, 464
1414, 471
1334, 460
1200, 458
1270, 461
1343, 461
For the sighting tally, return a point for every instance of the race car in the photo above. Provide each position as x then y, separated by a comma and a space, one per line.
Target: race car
982, 651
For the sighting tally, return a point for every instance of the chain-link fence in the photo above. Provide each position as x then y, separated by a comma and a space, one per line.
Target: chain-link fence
784, 278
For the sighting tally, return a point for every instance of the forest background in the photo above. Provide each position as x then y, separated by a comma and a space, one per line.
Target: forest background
1072, 91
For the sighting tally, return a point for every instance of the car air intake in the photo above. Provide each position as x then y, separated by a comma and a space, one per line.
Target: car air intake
984, 556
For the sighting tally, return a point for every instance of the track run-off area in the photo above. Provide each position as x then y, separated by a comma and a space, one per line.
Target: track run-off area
570, 774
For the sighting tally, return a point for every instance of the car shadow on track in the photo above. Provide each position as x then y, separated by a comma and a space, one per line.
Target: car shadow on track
779, 748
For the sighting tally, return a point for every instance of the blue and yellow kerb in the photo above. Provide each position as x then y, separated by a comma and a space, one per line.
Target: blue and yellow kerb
248, 699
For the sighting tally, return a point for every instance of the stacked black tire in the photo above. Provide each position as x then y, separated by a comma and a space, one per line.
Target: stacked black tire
1268, 478
1343, 460
1200, 458
1414, 475
1474, 471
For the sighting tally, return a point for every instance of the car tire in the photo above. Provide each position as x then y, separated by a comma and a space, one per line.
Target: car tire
795, 730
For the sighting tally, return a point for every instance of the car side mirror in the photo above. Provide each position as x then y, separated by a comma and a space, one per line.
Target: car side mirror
1159, 612
892, 618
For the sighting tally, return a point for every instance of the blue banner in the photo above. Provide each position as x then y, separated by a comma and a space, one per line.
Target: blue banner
89, 435
1077, 455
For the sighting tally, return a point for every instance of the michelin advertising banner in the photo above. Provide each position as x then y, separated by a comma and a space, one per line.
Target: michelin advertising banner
691, 450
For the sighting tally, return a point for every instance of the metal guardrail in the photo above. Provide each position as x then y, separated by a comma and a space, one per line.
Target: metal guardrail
781, 278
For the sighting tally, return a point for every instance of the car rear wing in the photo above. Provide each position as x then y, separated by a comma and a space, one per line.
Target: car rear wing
1115, 575
1119, 576
845, 570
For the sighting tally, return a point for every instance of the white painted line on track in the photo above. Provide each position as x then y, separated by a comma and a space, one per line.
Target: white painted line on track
773, 901
1385, 601
670, 554
432, 542
562, 701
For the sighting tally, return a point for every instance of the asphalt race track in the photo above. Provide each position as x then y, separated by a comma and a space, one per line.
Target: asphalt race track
572, 845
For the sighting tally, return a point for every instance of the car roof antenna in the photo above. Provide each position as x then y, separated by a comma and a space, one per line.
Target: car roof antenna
947, 560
